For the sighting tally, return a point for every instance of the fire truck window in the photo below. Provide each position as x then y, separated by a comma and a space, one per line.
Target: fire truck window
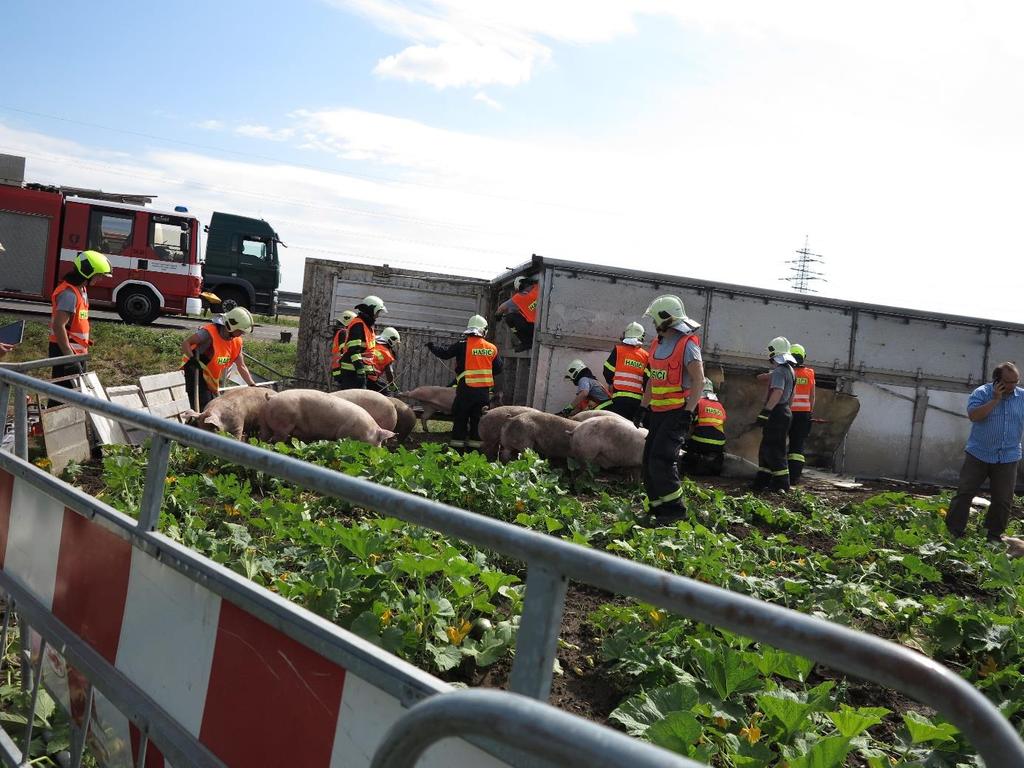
257, 249
168, 238
110, 232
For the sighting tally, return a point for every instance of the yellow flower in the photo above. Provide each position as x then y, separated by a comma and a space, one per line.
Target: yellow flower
171, 479
751, 734
942, 512
801, 561
419, 627
743, 574
284, 576
43, 463
457, 635
657, 616
232, 510
772, 562
374, 558
385, 618
988, 667
520, 505
721, 722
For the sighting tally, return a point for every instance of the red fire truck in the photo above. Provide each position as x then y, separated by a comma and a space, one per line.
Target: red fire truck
154, 254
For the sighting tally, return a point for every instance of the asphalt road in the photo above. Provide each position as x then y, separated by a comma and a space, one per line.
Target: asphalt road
11, 309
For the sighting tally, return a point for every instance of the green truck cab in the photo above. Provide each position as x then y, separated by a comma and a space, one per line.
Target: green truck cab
241, 264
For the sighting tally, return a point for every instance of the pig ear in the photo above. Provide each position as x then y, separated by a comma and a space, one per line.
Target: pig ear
213, 420
385, 435
190, 415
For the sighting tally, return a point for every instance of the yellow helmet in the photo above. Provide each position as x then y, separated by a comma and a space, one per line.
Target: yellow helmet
667, 311
375, 304
238, 319
346, 317
477, 325
634, 331
92, 263
575, 367
521, 281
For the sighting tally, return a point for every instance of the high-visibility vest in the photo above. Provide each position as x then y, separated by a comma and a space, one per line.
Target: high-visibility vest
223, 352
667, 393
341, 350
710, 428
477, 367
78, 326
803, 388
629, 371
381, 357
527, 303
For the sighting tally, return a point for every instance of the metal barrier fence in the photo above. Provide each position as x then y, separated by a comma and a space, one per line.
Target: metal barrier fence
550, 563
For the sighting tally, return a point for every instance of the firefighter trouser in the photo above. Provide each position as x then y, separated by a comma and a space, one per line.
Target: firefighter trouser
521, 327
799, 429
661, 455
627, 407
772, 469
702, 459
192, 376
466, 411
69, 369
349, 379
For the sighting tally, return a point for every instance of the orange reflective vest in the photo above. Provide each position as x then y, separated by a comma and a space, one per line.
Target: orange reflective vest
629, 371
342, 351
803, 388
223, 352
477, 368
381, 357
78, 325
710, 428
527, 303
667, 393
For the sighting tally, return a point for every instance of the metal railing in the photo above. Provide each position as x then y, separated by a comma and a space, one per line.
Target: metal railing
550, 563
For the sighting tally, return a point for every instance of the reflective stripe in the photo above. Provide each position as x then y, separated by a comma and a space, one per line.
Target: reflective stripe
634, 395
803, 387
712, 422
603, 405
796, 457
707, 440
678, 492
781, 472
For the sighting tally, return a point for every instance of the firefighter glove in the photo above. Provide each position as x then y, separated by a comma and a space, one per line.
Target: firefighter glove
762, 417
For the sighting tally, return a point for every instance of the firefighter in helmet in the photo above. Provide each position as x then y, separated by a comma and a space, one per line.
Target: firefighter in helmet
705, 449
676, 367
385, 351
775, 418
209, 353
353, 345
520, 311
590, 393
476, 363
625, 370
802, 407
69, 324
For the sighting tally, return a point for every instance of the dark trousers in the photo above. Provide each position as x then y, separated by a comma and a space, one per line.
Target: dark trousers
702, 459
348, 380
196, 384
772, 468
661, 456
627, 407
521, 327
799, 429
69, 369
466, 411
1001, 480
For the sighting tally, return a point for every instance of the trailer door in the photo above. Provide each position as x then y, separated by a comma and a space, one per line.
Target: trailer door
29, 230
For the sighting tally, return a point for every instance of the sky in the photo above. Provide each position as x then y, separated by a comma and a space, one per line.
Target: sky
704, 139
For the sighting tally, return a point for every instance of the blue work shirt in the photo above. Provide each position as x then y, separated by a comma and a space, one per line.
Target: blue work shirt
996, 438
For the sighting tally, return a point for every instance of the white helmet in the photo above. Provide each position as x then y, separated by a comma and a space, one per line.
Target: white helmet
709, 386
389, 336
476, 325
778, 350
517, 284
633, 331
574, 368
375, 304
238, 319
667, 311
346, 317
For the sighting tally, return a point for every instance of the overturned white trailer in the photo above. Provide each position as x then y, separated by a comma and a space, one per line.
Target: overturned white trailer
910, 371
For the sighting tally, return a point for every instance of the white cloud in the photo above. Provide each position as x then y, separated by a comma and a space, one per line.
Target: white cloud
483, 97
264, 132
210, 125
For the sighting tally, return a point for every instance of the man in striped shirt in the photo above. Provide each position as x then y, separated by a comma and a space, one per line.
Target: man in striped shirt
993, 451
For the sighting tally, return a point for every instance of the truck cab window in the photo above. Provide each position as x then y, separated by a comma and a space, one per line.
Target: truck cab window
168, 237
256, 249
110, 232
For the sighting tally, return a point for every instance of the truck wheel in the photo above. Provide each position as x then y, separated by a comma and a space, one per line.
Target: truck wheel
138, 306
231, 298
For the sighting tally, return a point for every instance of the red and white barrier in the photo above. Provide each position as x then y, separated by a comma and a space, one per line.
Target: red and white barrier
251, 694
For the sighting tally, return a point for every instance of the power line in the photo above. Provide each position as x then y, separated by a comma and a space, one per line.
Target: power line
801, 274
